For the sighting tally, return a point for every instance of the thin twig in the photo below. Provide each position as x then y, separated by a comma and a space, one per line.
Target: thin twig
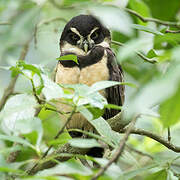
119, 151
5, 23
57, 135
169, 134
139, 152
45, 22
171, 31
147, 19
10, 89
58, 6
55, 110
153, 136
138, 53
34, 92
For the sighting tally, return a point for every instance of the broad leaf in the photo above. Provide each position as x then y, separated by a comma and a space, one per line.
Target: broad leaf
116, 19
17, 108
160, 175
69, 167
146, 29
106, 84
16, 139
51, 90
68, 57
84, 143
170, 109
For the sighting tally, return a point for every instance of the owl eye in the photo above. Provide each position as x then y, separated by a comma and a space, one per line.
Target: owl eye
74, 37
95, 35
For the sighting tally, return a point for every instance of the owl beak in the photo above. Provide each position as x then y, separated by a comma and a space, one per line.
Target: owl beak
86, 45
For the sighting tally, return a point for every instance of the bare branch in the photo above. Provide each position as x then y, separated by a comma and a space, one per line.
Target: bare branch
5, 23
153, 136
147, 19
119, 151
10, 89
146, 59
171, 31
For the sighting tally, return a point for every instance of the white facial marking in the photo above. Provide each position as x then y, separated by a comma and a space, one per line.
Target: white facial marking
66, 48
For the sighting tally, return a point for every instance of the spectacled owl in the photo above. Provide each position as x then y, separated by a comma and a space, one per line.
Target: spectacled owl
87, 38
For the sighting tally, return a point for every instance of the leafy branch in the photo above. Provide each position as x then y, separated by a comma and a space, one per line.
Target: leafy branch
10, 89
58, 134
116, 124
146, 59
147, 19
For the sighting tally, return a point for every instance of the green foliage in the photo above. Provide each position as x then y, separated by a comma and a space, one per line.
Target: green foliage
29, 120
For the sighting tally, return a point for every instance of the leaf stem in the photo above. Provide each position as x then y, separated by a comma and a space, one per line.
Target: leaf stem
138, 53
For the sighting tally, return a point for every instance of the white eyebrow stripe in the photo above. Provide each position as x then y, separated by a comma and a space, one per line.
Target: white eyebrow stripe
93, 30
75, 31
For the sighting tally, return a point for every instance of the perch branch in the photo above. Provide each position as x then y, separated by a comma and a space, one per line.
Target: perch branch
117, 125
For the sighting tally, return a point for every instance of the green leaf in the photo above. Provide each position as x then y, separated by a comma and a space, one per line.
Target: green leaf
166, 41
114, 171
27, 126
68, 57
51, 90
82, 96
105, 130
96, 112
151, 54
146, 29
160, 175
113, 106
167, 6
17, 140
140, 7
68, 167
131, 47
170, 110
133, 173
116, 19
106, 84
17, 108
24, 66
84, 143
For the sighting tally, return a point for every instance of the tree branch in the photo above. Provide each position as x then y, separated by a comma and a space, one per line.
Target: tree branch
5, 23
153, 136
10, 89
171, 31
146, 59
117, 125
119, 150
147, 19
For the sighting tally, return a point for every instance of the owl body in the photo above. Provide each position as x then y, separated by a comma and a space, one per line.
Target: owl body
89, 40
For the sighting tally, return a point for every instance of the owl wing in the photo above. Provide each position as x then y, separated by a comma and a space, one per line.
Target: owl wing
115, 94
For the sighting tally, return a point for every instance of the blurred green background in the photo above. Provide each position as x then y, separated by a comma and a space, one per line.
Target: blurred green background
157, 95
